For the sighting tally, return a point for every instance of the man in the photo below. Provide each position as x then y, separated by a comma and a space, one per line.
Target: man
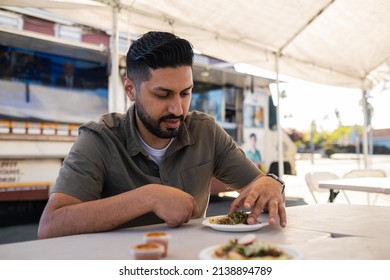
68, 79
153, 164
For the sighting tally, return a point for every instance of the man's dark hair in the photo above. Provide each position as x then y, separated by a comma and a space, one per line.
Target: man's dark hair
155, 50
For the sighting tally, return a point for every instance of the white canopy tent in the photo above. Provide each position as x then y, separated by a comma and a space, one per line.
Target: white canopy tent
333, 42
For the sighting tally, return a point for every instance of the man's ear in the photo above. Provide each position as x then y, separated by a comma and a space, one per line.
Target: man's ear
129, 88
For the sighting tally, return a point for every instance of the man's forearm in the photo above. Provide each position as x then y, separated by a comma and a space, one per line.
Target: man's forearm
76, 217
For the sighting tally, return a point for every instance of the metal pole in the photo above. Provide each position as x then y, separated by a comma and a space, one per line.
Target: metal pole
312, 148
114, 105
278, 114
365, 126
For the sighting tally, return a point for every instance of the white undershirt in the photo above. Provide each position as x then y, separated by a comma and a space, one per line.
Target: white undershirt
156, 155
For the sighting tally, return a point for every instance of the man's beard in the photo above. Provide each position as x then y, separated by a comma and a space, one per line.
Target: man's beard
154, 125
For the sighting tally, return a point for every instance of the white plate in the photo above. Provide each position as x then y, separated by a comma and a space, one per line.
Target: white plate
208, 253
236, 228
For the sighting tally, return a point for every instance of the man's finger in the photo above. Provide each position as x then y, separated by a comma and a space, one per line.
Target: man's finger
254, 214
251, 199
236, 204
272, 211
282, 215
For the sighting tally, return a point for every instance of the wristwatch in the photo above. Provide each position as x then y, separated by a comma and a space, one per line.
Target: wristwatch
277, 179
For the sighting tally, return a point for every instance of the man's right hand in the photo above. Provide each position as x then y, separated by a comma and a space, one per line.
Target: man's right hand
172, 205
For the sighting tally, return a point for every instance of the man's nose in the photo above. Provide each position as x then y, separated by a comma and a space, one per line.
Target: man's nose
175, 106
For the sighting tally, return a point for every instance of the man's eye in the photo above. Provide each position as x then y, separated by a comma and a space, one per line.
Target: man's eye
162, 95
185, 93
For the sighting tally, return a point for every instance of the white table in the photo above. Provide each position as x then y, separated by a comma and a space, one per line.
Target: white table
363, 184
324, 231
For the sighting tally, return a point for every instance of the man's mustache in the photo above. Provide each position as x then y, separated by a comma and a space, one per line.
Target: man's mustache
172, 117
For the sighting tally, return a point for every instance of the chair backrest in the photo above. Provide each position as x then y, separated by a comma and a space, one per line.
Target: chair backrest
357, 173
312, 179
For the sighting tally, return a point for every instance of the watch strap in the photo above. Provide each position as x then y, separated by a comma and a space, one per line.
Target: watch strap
273, 176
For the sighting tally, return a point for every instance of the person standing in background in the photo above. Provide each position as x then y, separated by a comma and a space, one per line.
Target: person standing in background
68, 79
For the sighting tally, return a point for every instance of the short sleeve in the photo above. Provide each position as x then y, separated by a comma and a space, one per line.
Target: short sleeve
232, 166
83, 172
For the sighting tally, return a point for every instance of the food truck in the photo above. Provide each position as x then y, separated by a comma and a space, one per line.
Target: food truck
40, 112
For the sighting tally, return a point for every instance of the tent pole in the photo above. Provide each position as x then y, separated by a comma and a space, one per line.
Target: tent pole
365, 127
278, 114
116, 102
112, 100
114, 70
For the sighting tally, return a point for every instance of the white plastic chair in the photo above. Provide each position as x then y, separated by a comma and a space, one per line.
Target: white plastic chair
312, 179
360, 173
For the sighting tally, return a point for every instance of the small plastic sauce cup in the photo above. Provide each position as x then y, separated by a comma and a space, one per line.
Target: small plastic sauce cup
158, 237
147, 251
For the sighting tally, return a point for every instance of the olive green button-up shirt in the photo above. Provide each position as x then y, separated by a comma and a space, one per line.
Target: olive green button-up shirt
107, 159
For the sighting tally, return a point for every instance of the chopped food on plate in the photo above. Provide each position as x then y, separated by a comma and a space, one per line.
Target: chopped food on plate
237, 217
248, 248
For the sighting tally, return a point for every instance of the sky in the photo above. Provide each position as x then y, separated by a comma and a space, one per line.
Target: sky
306, 102
381, 104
